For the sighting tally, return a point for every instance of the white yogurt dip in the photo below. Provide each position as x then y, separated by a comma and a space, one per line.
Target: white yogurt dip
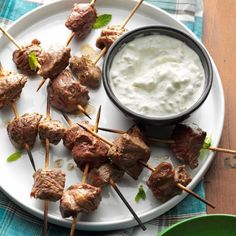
157, 76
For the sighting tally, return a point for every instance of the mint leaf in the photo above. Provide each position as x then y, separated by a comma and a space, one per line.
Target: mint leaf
207, 142
141, 194
33, 61
102, 20
15, 156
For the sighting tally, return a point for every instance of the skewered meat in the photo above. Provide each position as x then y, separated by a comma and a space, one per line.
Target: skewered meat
23, 130
48, 184
80, 198
86, 71
188, 143
101, 176
56, 59
89, 150
163, 180
11, 85
21, 57
109, 35
66, 94
53, 130
128, 150
81, 19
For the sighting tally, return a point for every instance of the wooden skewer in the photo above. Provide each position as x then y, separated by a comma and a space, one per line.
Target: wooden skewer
92, 2
99, 56
112, 130
83, 111
71, 36
95, 128
73, 225
11, 38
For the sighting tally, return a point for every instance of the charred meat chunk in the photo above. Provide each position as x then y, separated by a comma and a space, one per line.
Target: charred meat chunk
48, 184
56, 59
53, 130
11, 85
21, 57
99, 177
109, 35
128, 150
188, 143
80, 198
24, 130
163, 180
81, 19
86, 71
66, 94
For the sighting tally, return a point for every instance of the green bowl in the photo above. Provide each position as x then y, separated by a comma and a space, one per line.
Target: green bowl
209, 225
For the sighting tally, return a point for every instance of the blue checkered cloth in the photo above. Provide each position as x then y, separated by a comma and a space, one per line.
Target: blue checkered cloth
16, 222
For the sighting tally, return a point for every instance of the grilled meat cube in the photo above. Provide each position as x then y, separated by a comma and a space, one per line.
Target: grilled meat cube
53, 130
128, 150
48, 184
163, 180
188, 143
86, 71
101, 176
66, 94
11, 85
24, 130
80, 198
81, 19
56, 59
109, 35
21, 57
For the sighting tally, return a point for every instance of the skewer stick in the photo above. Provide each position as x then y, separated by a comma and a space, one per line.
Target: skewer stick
27, 148
13, 107
68, 120
99, 56
92, 2
71, 36
112, 130
95, 128
41, 83
131, 14
85, 173
1, 69
83, 111
72, 230
11, 38
216, 149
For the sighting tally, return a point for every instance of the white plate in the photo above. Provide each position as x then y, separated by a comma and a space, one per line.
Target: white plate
47, 24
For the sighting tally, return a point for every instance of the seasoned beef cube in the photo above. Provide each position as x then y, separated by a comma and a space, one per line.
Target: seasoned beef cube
109, 35
80, 198
102, 176
86, 71
21, 57
48, 184
163, 180
89, 150
56, 59
11, 85
53, 130
81, 19
66, 94
23, 130
188, 143
128, 150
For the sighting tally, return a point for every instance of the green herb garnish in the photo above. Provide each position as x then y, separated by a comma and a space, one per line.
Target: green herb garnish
207, 142
141, 194
33, 61
15, 156
102, 20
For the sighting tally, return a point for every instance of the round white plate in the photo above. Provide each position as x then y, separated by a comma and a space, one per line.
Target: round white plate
47, 24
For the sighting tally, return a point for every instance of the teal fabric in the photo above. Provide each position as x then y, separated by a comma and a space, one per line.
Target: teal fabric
15, 221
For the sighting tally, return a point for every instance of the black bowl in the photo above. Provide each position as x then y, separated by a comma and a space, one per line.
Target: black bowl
158, 30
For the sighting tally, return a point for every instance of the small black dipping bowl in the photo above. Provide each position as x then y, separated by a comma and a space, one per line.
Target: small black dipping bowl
157, 30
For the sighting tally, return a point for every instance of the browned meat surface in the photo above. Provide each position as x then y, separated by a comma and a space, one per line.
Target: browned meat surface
80, 198
128, 150
86, 71
55, 61
53, 130
66, 94
20, 57
163, 180
11, 85
81, 19
109, 35
24, 130
188, 143
48, 184
89, 150
99, 177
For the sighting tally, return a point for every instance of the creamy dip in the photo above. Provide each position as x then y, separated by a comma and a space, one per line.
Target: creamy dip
157, 76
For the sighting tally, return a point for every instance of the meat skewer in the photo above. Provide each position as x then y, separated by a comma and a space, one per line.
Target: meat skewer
145, 165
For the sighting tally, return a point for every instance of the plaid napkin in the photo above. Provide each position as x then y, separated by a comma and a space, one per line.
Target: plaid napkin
16, 222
